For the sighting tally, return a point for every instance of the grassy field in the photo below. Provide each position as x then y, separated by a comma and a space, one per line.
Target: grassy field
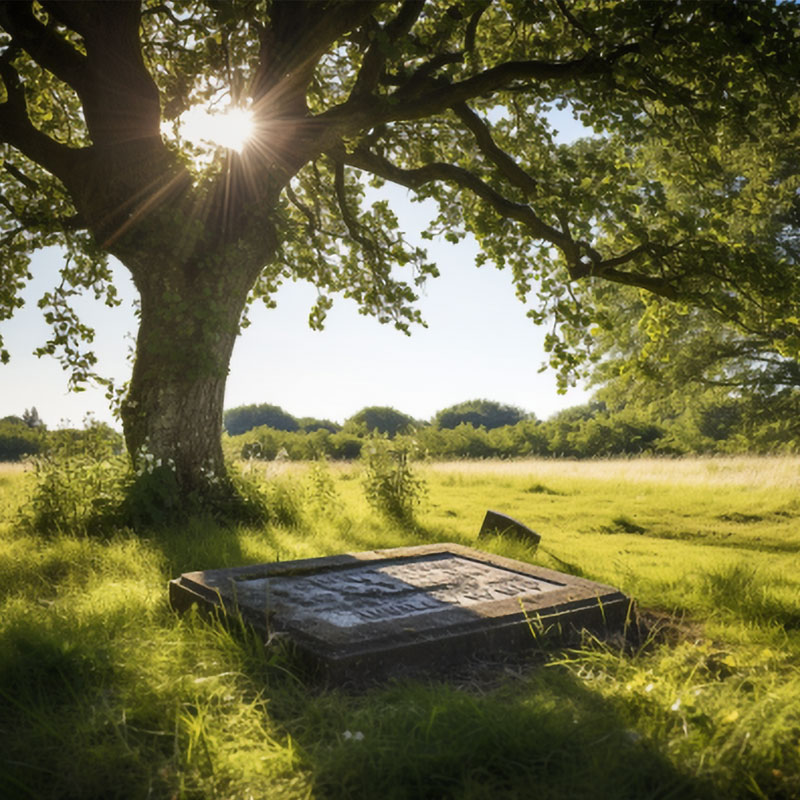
105, 692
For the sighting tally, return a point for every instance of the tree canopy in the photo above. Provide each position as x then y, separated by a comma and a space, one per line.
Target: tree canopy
243, 418
479, 413
380, 419
687, 192
18, 439
648, 351
311, 424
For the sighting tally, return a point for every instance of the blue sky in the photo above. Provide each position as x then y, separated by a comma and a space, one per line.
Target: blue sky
479, 343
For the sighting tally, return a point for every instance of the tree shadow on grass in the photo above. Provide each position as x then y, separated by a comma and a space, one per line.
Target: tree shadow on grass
381, 534
545, 735
66, 732
87, 709
201, 543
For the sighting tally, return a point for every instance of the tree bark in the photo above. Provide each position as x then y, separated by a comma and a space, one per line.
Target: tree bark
172, 415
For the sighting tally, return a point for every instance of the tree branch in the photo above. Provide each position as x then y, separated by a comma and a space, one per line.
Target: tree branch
349, 220
501, 76
658, 286
472, 28
11, 235
302, 208
46, 47
17, 130
421, 76
74, 14
483, 136
438, 171
27, 182
119, 97
524, 214
569, 16
410, 85
607, 269
408, 104
375, 58
287, 59
32, 222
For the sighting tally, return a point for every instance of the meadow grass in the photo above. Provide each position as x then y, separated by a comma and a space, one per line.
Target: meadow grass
105, 692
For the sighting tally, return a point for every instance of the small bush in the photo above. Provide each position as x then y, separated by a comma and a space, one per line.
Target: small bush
392, 488
151, 496
345, 446
79, 483
382, 420
263, 502
321, 491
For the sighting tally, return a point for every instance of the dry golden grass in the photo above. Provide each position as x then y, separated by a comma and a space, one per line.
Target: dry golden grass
289, 469
13, 467
782, 471
749, 471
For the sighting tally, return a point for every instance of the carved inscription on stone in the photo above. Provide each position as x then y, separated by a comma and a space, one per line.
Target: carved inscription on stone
367, 593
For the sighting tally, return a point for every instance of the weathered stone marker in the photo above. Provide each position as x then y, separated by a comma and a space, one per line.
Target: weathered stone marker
366, 616
497, 524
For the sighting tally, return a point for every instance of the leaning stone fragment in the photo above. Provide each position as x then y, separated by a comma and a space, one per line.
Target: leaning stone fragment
497, 524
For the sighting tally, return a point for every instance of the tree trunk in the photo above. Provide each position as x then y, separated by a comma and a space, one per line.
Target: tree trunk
172, 416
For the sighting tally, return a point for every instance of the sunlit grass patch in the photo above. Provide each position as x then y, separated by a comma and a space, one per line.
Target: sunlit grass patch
46, 568
173, 712
727, 712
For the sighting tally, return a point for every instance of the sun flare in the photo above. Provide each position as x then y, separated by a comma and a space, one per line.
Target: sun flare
231, 128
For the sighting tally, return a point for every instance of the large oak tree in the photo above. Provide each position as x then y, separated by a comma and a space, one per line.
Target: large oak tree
688, 192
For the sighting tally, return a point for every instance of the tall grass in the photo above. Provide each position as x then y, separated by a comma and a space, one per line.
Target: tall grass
781, 471
105, 692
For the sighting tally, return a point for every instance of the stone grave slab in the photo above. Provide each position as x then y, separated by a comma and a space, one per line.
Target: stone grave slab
361, 617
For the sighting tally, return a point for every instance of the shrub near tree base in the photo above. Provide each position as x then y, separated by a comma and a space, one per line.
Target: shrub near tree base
79, 482
83, 485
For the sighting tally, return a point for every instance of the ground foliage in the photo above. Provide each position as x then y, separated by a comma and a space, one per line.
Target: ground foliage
106, 693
